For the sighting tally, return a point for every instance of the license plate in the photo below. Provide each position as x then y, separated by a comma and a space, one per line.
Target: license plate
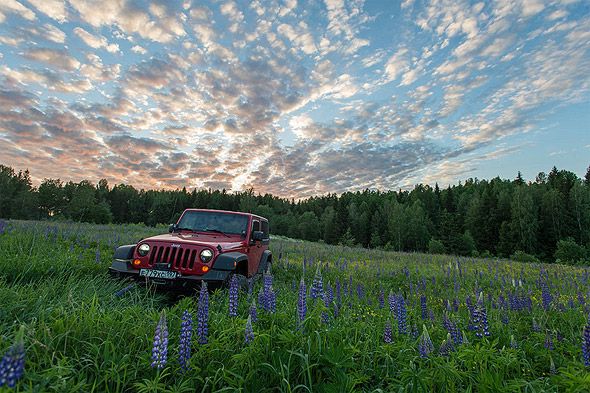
151, 273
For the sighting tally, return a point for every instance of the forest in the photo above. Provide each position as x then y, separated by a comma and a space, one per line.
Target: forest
547, 219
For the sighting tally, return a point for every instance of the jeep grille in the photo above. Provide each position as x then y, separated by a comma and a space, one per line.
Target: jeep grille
177, 257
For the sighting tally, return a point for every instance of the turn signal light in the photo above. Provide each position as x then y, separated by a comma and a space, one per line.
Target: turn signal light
136, 262
205, 268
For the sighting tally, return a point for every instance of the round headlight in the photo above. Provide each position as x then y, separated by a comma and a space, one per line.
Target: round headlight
143, 249
206, 256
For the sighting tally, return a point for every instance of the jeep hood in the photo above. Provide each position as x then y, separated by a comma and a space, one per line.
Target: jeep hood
200, 239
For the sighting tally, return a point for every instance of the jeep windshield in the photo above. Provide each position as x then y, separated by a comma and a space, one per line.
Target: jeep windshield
225, 223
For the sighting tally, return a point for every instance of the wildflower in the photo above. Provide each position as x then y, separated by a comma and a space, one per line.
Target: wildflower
325, 315
387, 333
249, 332
447, 346
160, 347
423, 307
203, 314
381, 299
425, 346
586, 344
186, 332
452, 330
267, 298
391, 299
3, 226
317, 286
548, 342
402, 315
513, 343
97, 255
253, 313
12, 365
302, 301
233, 296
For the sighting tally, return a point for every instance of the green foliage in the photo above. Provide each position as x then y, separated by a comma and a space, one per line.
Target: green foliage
568, 251
436, 247
522, 256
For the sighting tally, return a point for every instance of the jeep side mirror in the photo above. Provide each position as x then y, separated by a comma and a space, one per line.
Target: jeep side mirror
257, 235
172, 228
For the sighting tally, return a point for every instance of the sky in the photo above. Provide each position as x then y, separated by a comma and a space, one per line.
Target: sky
294, 98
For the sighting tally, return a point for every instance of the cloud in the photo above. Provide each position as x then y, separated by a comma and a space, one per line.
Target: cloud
95, 41
55, 9
57, 58
14, 7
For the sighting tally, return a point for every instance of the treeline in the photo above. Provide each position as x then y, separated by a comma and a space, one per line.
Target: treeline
546, 219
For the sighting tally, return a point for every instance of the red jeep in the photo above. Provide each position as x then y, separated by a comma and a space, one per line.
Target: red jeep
204, 245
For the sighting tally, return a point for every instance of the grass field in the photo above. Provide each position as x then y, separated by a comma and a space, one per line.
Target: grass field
83, 334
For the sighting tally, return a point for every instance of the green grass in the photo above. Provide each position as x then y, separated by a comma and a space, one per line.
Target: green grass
80, 336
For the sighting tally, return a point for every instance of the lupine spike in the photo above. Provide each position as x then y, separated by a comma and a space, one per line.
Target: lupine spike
425, 346
203, 314
387, 333
317, 286
160, 347
233, 296
302, 302
253, 312
249, 331
12, 365
186, 333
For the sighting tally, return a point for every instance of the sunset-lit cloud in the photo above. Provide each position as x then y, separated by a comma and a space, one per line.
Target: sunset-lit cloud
291, 97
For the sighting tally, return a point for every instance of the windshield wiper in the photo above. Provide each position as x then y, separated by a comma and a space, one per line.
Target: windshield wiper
183, 229
217, 231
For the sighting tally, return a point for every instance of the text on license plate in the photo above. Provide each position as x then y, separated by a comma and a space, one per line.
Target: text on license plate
151, 273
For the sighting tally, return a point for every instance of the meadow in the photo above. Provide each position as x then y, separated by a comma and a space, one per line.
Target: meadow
326, 319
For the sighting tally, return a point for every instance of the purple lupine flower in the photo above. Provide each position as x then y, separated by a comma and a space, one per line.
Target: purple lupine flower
447, 346
402, 316
302, 302
123, 291
391, 299
414, 331
186, 333
338, 291
504, 318
160, 347
549, 342
330, 293
325, 315
425, 346
97, 255
452, 330
253, 312
317, 286
203, 314
233, 296
387, 333
12, 365
586, 344
484, 327
271, 299
423, 307
360, 291
3, 226
381, 298
249, 331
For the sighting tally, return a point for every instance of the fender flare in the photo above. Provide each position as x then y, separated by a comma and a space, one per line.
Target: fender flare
264, 260
124, 252
229, 261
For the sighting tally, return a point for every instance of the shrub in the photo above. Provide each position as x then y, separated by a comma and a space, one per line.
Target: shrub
436, 247
568, 251
521, 256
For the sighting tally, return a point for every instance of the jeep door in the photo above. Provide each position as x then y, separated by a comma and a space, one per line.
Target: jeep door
256, 249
